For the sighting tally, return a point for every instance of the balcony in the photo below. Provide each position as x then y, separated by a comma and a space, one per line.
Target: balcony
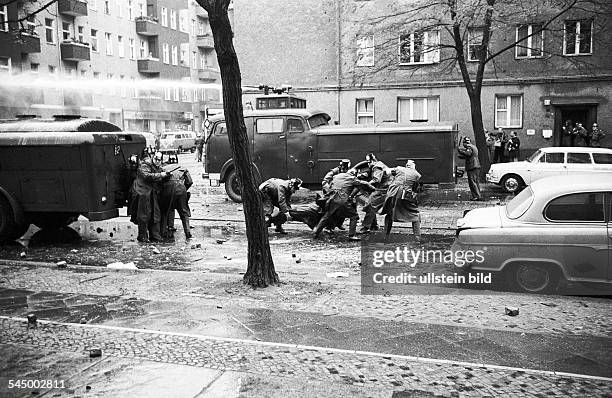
201, 12
73, 8
147, 26
74, 51
28, 43
149, 65
208, 74
205, 41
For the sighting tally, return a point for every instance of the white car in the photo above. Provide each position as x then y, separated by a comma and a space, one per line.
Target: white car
549, 162
557, 228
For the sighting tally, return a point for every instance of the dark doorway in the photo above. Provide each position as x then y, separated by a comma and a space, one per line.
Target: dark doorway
585, 114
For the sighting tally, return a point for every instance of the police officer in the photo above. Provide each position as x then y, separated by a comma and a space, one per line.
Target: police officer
340, 203
343, 167
174, 196
145, 210
469, 152
380, 179
277, 193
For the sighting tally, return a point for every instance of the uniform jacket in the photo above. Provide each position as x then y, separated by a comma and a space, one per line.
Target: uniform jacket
329, 176
145, 189
278, 192
470, 153
381, 175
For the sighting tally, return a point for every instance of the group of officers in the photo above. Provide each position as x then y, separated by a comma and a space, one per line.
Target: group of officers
382, 190
156, 193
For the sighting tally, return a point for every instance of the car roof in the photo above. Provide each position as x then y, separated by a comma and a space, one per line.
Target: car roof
573, 183
577, 149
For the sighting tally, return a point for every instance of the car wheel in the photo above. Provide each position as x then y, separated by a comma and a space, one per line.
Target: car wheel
180, 149
233, 186
7, 220
512, 183
534, 278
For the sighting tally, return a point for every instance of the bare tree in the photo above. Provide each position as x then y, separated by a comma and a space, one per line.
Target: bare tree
472, 37
260, 271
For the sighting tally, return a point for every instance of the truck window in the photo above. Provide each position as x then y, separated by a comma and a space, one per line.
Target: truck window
269, 126
295, 126
316, 121
220, 129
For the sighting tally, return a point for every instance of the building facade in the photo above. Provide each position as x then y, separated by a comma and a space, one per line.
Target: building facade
135, 63
358, 61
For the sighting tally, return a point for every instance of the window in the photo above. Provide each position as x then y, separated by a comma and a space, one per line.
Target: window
164, 16
168, 93
93, 4
509, 111
107, 7
4, 18
143, 49
130, 9
185, 95
420, 48
580, 158
295, 126
165, 53
578, 38
585, 207
184, 52
602, 158
5, 65
365, 51
34, 68
120, 9
52, 70
109, 43
134, 87
530, 41
132, 47
364, 113
553, 158
31, 25
424, 109
269, 126
194, 59
183, 17
194, 27
195, 95
120, 47
49, 31
66, 31
94, 40
176, 93
81, 34
474, 43
110, 77
174, 55
142, 8
173, 19
201, 28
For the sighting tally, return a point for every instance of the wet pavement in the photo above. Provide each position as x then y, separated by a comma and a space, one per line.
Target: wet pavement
184, 318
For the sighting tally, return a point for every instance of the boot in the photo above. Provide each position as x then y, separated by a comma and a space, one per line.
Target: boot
186, 227
353, 229
279, 229
154, 233
142, 232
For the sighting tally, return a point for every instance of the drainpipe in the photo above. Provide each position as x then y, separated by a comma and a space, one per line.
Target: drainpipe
339, 44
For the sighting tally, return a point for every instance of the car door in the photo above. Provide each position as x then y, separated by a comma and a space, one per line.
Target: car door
577, 235
549, 164
301, 149
609, 198
270, 147
579, 163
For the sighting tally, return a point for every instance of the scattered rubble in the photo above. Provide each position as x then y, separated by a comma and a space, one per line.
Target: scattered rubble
512, 311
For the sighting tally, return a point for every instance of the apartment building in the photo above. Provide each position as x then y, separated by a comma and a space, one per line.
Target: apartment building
356, 60
135, 63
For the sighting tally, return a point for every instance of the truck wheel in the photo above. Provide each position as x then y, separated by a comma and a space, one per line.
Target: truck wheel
512, 183
7, 220
233, 186
534, 278
193, 149
54, 220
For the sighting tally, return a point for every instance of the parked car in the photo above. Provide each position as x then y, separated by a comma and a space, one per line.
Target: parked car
548, 162
177, 141
556, 228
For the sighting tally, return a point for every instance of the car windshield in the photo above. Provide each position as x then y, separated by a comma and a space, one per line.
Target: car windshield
534, 156
519, 205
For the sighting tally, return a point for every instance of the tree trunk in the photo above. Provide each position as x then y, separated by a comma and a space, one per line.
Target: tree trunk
479, 134
260, 271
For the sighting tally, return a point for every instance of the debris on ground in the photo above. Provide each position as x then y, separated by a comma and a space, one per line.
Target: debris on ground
298, 260
95, 352
221, 241
337, 274
61, 264
155, 250
22, 254
120, 265
512, 311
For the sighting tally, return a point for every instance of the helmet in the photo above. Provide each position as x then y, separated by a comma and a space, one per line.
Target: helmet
371, 158
345, 164
410, 164
295, 183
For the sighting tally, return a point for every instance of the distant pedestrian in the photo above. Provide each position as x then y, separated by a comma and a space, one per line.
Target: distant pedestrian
514, 147
490, 141
401, 203
199, 143
498, 151
597, 135
469, 152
